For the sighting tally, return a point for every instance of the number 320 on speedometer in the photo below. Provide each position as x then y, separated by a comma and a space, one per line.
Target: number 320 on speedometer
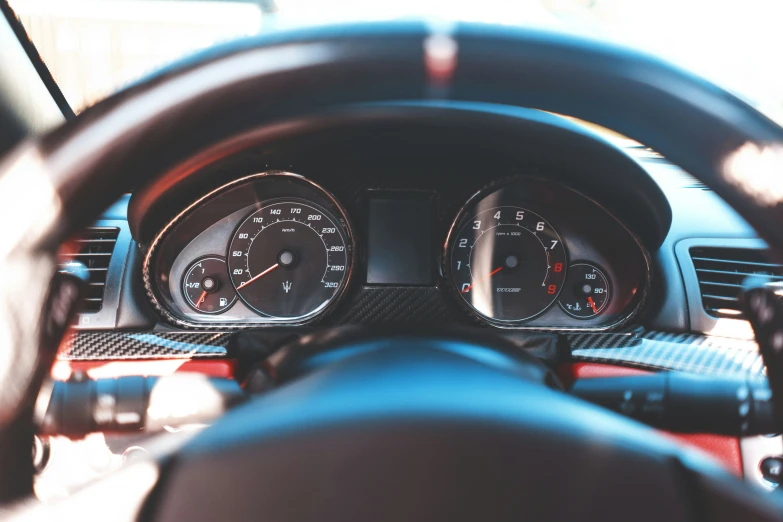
508, 263
289, 259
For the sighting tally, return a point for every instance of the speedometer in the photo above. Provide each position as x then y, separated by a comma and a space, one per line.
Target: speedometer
507, 263
289, 259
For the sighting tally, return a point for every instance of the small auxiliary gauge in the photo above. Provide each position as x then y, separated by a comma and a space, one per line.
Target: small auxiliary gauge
586, 291
206, 286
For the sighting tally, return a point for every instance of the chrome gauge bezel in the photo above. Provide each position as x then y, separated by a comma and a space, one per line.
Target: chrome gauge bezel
160, 305
485, 191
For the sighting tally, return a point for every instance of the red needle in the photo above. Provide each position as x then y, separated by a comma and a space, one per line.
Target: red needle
201, 299
259, 276
592, 304
495, 271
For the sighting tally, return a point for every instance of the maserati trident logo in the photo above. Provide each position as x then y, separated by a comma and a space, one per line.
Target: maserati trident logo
287, 286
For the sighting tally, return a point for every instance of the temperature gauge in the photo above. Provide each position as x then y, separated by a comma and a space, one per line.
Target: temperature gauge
586, 292
206, 286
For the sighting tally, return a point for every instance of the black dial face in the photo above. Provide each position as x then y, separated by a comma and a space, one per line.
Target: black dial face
508, 263
586, 292
206, 286
289, 259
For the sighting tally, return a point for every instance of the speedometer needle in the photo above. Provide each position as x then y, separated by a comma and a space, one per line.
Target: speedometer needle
259, 276
495, 271
592, 304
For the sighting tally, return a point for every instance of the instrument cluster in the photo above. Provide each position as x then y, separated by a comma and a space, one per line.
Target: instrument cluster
277, 248
535, 252
280, 252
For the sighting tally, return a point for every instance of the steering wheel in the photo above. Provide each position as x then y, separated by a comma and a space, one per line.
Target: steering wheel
397, 426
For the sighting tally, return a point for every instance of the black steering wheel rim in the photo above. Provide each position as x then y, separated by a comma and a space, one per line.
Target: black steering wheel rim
448, 429
140, 133
693, 123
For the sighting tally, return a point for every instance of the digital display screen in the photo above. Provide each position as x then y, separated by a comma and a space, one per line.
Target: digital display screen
400, 248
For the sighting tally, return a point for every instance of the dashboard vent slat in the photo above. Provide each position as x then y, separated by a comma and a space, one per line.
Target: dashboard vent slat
93, 249
736, 262
722, 271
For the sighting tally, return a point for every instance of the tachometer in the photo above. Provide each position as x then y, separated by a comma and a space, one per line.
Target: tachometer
507, 263
289, 259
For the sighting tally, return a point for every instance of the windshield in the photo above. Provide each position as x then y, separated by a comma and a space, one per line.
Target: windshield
95, 47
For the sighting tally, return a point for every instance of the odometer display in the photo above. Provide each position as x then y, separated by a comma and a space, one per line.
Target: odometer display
508, 263
289, 259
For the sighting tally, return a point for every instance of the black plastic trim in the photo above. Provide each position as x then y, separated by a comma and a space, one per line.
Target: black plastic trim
700, 320
106, 318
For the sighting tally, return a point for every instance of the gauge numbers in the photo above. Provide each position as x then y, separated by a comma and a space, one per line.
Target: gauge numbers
508, 263
289, 259
206, 286
587, 291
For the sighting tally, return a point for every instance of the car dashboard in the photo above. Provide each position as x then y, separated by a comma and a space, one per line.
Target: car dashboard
419, 216
277, 248
447, 215
416, 215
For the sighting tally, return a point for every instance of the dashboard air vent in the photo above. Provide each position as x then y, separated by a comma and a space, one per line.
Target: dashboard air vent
721, 272
93, 249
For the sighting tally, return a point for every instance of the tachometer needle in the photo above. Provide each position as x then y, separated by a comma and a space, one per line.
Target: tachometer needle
495, 271
259, 276
201, 299
592, 304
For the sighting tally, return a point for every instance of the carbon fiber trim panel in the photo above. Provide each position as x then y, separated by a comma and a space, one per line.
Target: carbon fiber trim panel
693, 353
412, 305
115, 346
651, 350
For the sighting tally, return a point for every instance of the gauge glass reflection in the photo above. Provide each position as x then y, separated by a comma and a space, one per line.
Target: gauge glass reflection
508, 263
289, 259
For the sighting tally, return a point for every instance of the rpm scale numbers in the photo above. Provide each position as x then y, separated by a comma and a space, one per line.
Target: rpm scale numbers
288, 259
508, 263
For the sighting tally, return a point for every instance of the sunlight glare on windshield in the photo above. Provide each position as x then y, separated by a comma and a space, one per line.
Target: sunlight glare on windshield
95, 47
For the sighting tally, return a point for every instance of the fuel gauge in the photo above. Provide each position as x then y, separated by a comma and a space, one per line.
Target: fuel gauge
206, 286
586, 291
